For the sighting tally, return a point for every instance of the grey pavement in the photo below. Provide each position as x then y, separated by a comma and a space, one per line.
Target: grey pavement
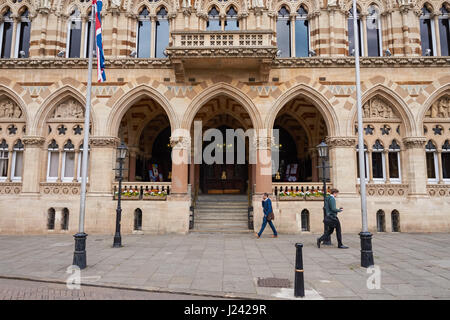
411, 266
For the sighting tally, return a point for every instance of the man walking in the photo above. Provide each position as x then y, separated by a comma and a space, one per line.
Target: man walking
331, 220
268, 216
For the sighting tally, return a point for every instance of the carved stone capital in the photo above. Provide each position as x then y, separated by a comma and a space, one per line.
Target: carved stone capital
33, 141
180, 142
263, 142
104, 142
414, 142
341, 142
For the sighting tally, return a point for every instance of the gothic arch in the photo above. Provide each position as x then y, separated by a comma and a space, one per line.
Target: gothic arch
12, 95
127, 100
51, 102
316, 98
216, 90
396, 101
430, 100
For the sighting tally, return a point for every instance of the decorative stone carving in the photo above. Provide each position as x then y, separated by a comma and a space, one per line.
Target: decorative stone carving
439, 109
393, 190
414, 142
378, 109
69, 109
347, 142
180, 142
33, 141
9, 109
104, 142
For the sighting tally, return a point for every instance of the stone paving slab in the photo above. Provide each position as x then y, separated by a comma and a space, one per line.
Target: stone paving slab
412, 266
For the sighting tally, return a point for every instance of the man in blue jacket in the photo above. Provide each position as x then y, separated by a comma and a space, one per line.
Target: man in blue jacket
267, 208
331, 220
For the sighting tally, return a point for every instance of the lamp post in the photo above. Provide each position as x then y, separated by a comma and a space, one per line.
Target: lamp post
365, 235
322, 149
122, 154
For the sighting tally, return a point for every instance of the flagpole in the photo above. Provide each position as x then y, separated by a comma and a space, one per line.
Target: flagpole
79, 257
365, 235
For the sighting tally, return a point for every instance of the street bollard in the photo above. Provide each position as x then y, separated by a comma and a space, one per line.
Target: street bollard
299, 285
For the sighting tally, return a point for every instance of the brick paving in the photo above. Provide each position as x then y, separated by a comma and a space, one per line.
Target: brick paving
413, 266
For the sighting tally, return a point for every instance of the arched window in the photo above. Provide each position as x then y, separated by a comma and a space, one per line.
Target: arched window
137, 220
351, 34
444, 31
427, 33
6, 31
366, 162
374, 42
445, 159
17, 161
4, 158
284, 33
23, 36
394, 162
65, 219
144, 34
381, 221
432, 162
305, 220
80, 162
74, 35
68, 162
231, 22
378, 162
162, 33
395, 220
213, 23
301, 33
51, 219
53, 161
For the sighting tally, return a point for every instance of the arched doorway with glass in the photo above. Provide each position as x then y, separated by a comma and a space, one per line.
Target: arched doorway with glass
225, 167
145, 129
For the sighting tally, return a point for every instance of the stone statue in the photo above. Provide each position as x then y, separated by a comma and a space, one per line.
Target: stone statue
69, 109
258, 3
8, 109
439, 109
377, 108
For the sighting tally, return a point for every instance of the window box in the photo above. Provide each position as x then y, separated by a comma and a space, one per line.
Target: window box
154, 195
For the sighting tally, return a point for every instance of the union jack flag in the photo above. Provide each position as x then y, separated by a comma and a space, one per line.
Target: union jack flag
101, 76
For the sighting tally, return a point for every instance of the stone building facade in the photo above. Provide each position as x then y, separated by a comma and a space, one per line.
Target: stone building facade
258, 64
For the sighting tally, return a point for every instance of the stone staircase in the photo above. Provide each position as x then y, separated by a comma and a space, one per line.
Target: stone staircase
221, 213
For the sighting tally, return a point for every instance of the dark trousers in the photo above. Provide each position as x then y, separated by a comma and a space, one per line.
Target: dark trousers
331, 226
264, 226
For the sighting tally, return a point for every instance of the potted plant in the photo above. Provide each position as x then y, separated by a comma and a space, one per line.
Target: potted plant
292, 195
314, 195
128, 194
154, 195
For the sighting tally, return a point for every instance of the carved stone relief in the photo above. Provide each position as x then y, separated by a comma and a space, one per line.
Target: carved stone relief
439, 109
69, 109
378, 109
9, 109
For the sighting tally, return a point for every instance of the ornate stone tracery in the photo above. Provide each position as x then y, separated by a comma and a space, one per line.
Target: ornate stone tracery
69, 109
378, 108
9, 109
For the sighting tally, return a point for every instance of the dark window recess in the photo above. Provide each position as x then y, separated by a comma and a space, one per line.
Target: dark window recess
431, 171
395, 219
394, 172
377, 165
381, 221
51, 219
305, 220
138, 219
65, 219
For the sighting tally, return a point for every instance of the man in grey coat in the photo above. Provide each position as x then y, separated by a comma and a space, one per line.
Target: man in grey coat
331, 220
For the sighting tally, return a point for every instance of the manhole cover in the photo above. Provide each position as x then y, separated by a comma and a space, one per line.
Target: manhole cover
274, 283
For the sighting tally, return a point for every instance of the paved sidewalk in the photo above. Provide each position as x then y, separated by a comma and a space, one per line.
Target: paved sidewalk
413, 266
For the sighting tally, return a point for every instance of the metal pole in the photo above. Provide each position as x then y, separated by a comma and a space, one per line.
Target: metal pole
365, 235
327, 241
117, 237
299, 285
79, 257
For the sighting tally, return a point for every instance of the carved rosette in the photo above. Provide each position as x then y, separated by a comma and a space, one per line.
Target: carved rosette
180, 142
33, 141
62, 188
438, 190
341, 142
414, 142
386, 190
104, 142
10, 188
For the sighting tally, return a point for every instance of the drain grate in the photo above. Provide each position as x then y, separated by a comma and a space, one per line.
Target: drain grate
274, 283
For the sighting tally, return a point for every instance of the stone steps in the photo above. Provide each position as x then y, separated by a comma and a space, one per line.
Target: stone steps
221, 213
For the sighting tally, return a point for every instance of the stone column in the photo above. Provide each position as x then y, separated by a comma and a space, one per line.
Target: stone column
292, 38
343, 161
31, 161
84, 45
153, 36
314, 164
263, 173
75, 169
115, 13
132, 151
102, 161
369, 160
441, 174
180, 156
364, 43
16, 19
386, 160
416, 171
44, 12
437, 35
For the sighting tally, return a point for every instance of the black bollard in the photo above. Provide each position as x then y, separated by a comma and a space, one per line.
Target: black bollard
366, 249
299, 285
